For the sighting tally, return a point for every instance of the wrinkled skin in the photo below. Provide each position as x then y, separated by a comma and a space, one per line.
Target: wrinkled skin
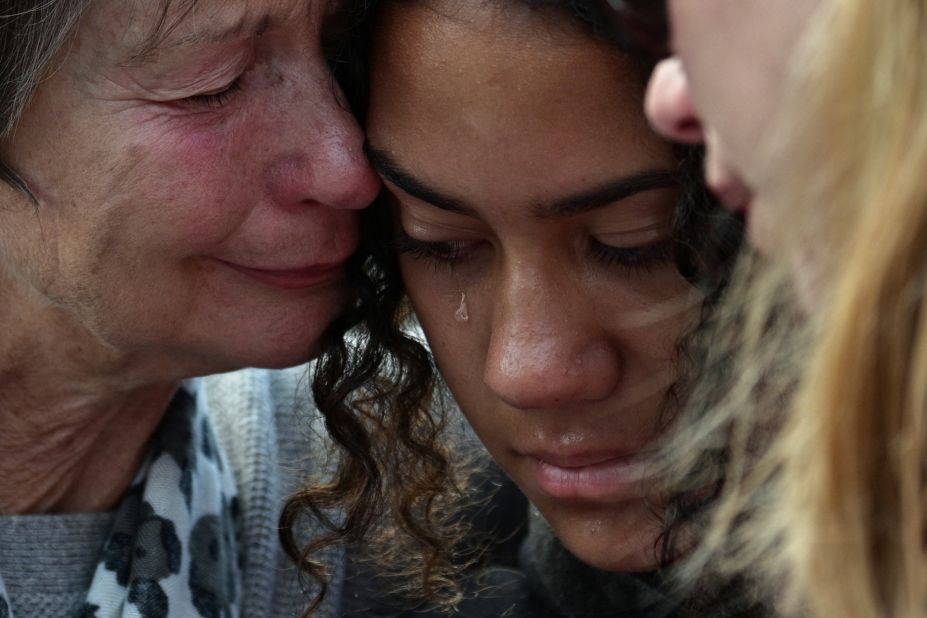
146, 192
177, 190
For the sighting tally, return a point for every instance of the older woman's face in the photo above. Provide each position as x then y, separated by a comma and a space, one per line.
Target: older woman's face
536, 210
198, 200
723, 88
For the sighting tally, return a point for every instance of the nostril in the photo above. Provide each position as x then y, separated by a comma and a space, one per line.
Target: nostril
689, 126
687, 130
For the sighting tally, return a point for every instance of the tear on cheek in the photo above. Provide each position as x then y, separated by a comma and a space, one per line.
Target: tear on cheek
463, 311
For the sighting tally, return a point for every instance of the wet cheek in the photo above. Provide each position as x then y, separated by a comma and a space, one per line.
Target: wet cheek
435, 310
442, 298
450, 315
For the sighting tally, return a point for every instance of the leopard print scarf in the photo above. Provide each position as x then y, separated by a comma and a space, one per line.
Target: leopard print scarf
172, 551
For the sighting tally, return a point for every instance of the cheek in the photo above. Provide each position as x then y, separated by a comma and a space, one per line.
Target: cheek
200, 185
655, 333
182, 181
160, 195
452, 315
442, 308
647, 322
656, 319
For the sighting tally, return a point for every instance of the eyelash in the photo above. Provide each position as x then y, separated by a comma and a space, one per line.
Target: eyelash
630, 260
216, 99
634, 259
448, 254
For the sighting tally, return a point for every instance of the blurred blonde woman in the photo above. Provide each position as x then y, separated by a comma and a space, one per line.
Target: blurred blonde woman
815, 118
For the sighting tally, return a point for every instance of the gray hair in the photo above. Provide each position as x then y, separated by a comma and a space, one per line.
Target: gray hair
32, 33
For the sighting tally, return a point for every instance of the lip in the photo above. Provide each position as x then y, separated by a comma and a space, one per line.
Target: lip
293, 278
589, 476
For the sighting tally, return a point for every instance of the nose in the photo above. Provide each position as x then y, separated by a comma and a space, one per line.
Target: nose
321, 160
669, 104
544, 353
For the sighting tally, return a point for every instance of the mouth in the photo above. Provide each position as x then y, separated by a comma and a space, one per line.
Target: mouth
590, 476
314, 275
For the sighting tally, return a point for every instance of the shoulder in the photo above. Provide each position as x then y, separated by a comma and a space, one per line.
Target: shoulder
268, 408
274, 441
279, 388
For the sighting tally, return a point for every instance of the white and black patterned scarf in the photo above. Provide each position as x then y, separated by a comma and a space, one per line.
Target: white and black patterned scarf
173, 549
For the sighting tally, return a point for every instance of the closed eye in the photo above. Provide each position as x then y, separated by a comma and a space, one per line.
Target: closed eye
215, 99
440, 253
633, 260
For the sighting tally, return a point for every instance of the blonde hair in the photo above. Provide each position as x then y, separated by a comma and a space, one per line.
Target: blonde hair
824, 500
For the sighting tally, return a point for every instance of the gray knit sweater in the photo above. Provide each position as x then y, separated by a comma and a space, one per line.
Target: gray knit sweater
273, 440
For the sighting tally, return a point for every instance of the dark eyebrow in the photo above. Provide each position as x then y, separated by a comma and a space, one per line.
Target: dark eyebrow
609, 193
598, 197
390, 170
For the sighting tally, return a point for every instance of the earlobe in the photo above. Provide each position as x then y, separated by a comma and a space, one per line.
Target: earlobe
669, 104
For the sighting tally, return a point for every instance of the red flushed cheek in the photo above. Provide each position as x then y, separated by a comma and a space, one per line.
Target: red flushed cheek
210, 184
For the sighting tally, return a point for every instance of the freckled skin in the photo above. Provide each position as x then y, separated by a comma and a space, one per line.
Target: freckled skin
559, 350
141, 195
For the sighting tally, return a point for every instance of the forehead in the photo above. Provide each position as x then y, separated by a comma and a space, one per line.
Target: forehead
495, 93
459, 61
491, 68
137, 30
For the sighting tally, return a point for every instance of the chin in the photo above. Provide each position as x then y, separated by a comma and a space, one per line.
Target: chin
211, 357
618, 557
277, 340
279, 358
289, 348
616, 541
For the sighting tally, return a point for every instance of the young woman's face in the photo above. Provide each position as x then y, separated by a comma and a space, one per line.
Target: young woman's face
534, 209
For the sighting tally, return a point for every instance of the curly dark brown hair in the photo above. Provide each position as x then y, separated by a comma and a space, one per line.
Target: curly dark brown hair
397, 482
